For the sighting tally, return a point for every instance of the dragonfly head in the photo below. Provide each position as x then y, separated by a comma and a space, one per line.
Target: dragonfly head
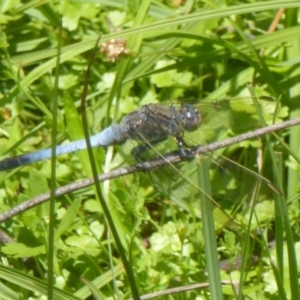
190, 117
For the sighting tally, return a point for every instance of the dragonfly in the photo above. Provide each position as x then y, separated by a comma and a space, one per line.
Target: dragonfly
150, 123
155, 126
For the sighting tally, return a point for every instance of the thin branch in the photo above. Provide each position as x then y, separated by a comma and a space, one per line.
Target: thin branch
171, 158
181, 289
247, 136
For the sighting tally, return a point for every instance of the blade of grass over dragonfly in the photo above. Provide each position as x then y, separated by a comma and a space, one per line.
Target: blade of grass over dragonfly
110, 221
210, 244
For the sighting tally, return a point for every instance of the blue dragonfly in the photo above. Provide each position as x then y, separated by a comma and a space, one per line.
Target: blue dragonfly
155, 126
151, 123
154, 123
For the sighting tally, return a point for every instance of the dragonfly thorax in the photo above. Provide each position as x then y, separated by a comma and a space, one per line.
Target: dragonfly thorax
155, 122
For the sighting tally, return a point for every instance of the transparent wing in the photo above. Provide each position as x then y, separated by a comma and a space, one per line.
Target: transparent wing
237, 115
233, 186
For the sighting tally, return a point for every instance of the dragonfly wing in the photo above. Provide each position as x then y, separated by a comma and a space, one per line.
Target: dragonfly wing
238, 115
234, 187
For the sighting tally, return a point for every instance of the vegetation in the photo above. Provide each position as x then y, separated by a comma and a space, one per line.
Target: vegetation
149, 239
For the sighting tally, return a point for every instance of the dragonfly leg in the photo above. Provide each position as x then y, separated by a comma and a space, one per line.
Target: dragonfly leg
138, 151
183, 148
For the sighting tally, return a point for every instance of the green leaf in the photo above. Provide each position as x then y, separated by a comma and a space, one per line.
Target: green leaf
19, 250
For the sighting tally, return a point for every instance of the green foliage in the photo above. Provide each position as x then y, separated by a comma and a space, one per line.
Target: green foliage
196, 51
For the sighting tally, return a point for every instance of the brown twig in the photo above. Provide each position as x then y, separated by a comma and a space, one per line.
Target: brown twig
273, 27
181, 289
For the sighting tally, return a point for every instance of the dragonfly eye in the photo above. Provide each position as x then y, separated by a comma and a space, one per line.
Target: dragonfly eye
190, 117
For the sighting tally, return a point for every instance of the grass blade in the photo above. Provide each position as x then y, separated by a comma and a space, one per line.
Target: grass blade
207, 209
